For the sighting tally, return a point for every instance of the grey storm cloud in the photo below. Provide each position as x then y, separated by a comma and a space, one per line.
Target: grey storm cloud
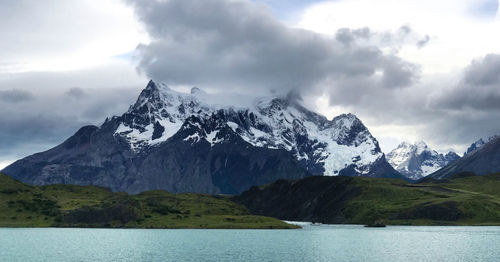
348, 36
423, 42
452, 112
238, 44
75, 92
449, 111
15, 95
404, 35
228, 45
53, 116
399, 73
484, 72
52, 111
479, 88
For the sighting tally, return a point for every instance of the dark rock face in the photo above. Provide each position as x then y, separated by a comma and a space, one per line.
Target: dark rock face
158, 130
381, 168
316, 199
96, 157
479, 143
482, 161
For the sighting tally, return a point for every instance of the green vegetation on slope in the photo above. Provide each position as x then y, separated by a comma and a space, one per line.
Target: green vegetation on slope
471, 200
460, 201
22, 205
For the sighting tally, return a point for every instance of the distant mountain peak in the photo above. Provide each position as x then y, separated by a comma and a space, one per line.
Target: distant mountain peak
421, 144
418, 160
348, 120
482, 158
479, 143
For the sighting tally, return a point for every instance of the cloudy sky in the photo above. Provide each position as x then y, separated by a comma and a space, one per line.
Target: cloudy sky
411, 70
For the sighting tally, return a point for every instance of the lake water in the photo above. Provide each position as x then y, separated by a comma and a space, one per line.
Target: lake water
312, 243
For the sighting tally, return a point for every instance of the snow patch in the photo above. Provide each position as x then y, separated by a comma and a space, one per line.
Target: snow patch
194, 137
212, 138
137, 139
276, 123
232, 125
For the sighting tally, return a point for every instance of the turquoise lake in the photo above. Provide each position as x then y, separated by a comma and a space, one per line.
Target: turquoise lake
312, 243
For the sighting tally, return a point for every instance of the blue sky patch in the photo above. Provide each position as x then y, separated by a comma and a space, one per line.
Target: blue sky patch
484, 8
287, 9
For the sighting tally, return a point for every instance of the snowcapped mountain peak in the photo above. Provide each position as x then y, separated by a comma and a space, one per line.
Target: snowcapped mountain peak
153, 96
421, 145
275, 122
203, 142
347, 120
452, 155
404, 144
418, 160
479, 143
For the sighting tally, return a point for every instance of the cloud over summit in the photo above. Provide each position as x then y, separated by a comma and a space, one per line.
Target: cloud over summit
479, 87
238, 44
401, 66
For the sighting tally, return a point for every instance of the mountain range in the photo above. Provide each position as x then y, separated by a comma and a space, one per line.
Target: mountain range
479, 143
483, 159
189, 142
416, 161
196, 142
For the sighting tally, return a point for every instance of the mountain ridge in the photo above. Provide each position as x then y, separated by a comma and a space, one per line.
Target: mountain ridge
483, 160
467, 200
418, 160
187, 143
479, 143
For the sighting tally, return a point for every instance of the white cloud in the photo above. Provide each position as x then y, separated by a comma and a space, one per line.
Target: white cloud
57, 35
457, 32
3, 164
76, 41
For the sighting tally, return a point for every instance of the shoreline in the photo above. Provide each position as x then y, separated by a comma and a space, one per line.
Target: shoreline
299, 224
307, 223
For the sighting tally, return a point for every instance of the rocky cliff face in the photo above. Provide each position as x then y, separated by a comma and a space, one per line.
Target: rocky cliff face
483, 160
479, 143
188, 143
416, 161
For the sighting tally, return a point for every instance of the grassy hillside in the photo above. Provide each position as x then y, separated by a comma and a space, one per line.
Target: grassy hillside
75, 206
460, 201
466, 200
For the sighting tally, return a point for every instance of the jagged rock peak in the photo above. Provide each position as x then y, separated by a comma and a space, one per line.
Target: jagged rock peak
348, 120
183, 142
479, 143
276, 122
150, 94
483, 160
418, 160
